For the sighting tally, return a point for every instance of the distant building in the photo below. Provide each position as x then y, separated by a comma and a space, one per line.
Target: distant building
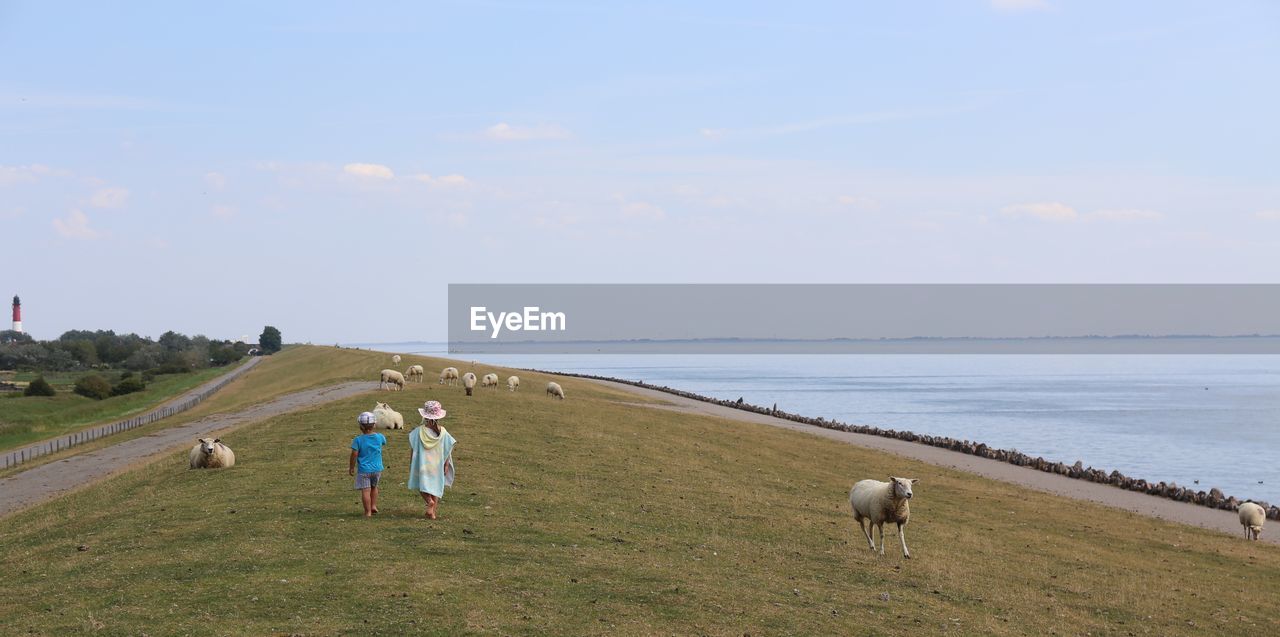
17, 314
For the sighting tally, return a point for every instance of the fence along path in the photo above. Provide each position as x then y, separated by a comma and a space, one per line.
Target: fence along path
175, 406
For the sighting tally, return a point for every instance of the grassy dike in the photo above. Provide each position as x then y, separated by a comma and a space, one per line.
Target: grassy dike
593, 516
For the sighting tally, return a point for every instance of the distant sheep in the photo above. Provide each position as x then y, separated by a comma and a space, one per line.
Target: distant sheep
395, 360
879, 502
1251, 517
489, 380
554, 389
391, 377
388, 417
415, 372
211, 454
469, 382
513, 383
449, 375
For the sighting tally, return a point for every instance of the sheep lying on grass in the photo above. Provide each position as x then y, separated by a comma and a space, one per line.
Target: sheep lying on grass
554, 389
391, 377
469, 382
415, 372
388, 417
513, 383
449, 375
489, 380
879, 502
1251, 517
395, 360
211, 454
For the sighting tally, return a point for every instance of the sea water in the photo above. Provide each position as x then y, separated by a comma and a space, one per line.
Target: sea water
1211, 419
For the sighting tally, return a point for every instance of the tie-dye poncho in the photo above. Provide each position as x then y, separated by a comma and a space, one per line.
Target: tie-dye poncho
428, 471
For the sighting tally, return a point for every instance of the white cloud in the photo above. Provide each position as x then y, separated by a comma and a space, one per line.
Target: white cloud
223, 211
505, 132
858, 202
712, 133
109, 198
444, 180
1019, 5
376, 171
17, 174
1045, 211
75, 226
1062, 213
1267, 215
643, 210
1125, 214
215, 180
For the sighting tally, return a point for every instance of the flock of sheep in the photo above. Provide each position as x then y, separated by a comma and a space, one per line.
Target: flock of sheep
873, 502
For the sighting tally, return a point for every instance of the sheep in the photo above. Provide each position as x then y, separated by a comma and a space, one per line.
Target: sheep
449, 374
211, 454
415, 372
391, 377
879, 502
395, 360
489, 380
513, 383
1251, 518
554, 389
469, 382
388, 417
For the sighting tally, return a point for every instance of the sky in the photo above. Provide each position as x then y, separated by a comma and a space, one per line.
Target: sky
329, 168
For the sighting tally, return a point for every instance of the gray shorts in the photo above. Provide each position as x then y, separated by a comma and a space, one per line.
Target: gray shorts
368, 480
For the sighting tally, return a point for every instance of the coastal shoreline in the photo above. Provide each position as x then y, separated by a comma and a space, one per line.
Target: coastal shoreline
1206, 509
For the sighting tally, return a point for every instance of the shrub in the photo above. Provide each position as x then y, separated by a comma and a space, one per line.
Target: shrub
39, 387
128, 386
126, 374
148, 375
93, 386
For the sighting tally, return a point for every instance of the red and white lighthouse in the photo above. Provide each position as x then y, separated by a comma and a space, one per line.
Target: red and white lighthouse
17, 314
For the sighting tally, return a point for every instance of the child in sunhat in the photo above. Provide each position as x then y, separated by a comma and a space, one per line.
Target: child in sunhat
430, 457
366, 455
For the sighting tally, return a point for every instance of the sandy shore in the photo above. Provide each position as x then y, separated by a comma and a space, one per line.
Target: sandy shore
47, 481
1141, 503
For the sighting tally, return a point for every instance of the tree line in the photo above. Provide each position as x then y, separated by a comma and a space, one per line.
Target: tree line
84, 349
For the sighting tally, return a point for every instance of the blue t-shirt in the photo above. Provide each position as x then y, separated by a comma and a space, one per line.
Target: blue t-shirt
369, 451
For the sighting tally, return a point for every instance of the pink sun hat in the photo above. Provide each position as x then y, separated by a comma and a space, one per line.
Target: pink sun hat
431, 410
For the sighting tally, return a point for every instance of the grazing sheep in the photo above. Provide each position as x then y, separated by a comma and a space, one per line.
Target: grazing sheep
554, 389
388, 417
489, 380
450, 375
211, 454
469, 382
1251, 518
513, 383
391, 377
879, 502
415, 372
395, 360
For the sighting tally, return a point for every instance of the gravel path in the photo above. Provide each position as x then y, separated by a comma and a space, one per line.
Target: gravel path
46, 481
1141, 503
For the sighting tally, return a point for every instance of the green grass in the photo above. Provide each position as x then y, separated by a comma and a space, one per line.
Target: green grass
587, 516
26, 419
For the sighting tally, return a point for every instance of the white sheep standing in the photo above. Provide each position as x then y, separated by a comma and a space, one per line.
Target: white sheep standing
513, 383
415, 372
395, 360
391, 377
554, 389
469, 382
1251, 517
388, 417
489, 380
211, 454
450, 375
879, 502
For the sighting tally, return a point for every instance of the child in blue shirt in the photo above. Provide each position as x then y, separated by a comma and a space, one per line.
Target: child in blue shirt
366, 454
